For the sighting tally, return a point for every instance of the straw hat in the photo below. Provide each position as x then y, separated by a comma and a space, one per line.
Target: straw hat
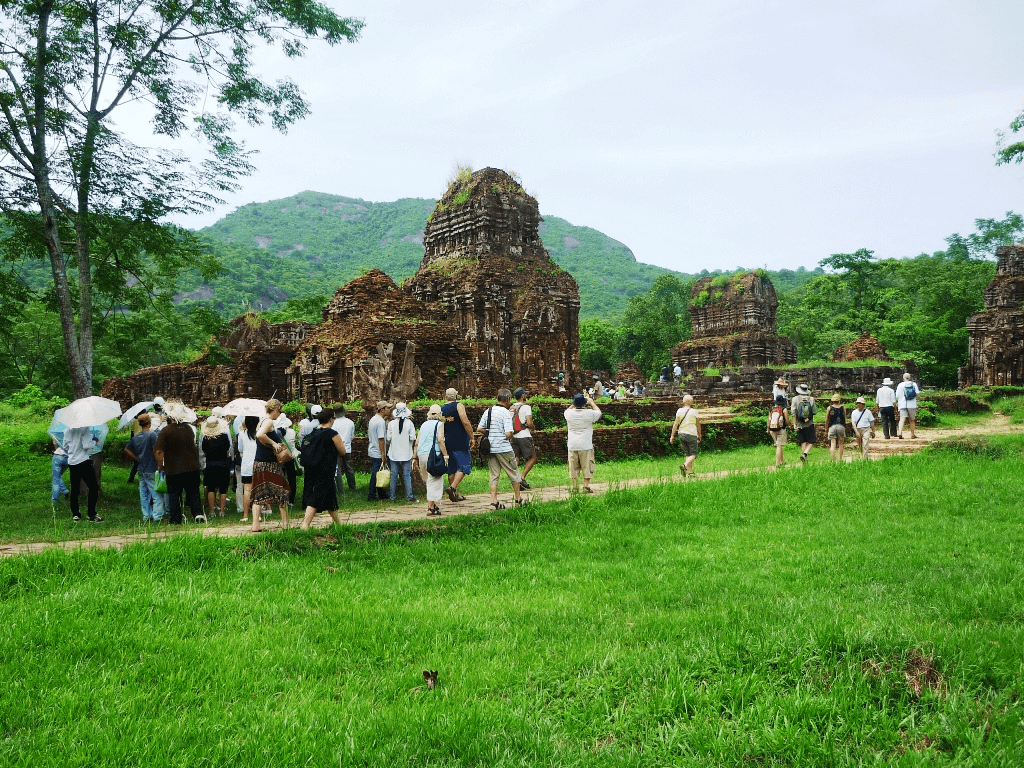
860, 401
781, 382
213, 427
837, 398
434, 412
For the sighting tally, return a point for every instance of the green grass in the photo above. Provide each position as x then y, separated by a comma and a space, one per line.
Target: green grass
839, 615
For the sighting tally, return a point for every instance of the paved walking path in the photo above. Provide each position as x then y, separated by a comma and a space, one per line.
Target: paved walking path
476, 504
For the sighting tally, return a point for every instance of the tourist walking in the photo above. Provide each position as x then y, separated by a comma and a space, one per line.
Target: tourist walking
401, 439
246, 452
522, 435
80, 445
346, 428
269, 485
835, 425
140, 451
906, 401
687, 426
885, 397
862, 419
780, 389
803, 410
431, 438
215, 445
496, 422
459, 437
778, 423
177, 456
579, 421
320, 465
376, 448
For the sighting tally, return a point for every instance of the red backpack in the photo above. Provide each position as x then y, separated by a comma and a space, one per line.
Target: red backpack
517, 424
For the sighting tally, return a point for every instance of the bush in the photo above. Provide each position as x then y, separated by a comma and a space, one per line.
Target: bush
33, 399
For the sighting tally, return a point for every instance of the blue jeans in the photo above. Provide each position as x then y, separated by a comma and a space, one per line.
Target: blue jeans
57, 466
151, 501
406, 469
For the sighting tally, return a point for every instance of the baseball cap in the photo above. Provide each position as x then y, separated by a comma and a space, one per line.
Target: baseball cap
382, 404
579, 400
315, 410
520, 392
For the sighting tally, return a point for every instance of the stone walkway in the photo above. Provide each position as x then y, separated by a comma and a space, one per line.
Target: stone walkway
479, 503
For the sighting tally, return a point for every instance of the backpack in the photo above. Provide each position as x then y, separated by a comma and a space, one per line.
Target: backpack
517, 424
777, 420
312, 452
804, 409
910, 391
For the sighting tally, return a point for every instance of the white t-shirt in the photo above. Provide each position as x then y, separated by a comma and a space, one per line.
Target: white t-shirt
524, 411
677, 371
400, 448
901, 395
885, 397
305, 427
247, 447
347, 429
501, 425
376, 429
580, 422
688, 426
862, 420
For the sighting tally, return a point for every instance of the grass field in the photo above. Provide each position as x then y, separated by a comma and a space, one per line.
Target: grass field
841, 615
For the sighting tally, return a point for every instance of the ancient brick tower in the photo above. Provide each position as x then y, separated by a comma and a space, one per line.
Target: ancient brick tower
516, 312
996, 350
734, 325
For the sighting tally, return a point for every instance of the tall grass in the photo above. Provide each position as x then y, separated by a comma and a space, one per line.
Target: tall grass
840, 615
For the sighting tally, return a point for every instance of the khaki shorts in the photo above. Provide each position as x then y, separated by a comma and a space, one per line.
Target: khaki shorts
581, 462
837, 432
779, 438
908, 413
499, 461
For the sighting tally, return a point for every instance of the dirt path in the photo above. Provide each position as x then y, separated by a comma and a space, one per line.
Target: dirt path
479, 503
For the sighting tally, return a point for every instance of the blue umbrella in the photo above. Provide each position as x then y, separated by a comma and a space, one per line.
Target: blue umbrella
99, 433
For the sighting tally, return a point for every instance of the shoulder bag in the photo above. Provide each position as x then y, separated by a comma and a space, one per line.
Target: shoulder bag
436, 464
281, 452
485, 441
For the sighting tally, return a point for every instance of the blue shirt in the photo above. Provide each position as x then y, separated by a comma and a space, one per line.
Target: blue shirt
142, 446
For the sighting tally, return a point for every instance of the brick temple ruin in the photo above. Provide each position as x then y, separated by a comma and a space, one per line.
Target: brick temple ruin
996, 351
864, 347
734, 325
488, 308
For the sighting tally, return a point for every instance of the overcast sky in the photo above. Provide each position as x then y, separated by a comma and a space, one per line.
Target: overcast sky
702, 135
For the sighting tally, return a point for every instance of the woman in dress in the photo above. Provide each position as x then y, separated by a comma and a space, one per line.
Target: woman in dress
401, 439
320, 463
431, 435
269, 485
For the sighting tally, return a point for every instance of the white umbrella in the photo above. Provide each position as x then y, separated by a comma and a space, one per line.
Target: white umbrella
134, 411
246, 406
88, 412
99, 433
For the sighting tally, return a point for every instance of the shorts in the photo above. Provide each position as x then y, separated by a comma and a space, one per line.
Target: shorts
908, 413
523, 448
581, 462
216, 479
779, 438
460, 461
806, 434
837, 432
688, 443
503, 461
246, 479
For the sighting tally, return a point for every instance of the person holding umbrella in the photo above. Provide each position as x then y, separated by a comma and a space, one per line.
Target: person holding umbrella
82, 427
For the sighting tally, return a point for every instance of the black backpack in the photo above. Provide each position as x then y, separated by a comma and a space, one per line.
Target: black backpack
313, 453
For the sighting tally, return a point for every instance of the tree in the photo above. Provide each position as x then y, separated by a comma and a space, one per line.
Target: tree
859, 268
66, 69
1011, 153
655, 322
598, 343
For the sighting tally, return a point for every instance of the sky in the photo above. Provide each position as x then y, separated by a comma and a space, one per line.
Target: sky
704, 135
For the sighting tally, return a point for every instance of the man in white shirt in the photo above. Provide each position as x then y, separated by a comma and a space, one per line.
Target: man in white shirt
80, 445
677, 373
906, 401
580, 420
497, 422
861, 420
376, 432
345, 427
522, 440
886, 399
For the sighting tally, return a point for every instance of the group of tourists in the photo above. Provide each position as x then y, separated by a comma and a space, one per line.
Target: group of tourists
799, 416
620, 390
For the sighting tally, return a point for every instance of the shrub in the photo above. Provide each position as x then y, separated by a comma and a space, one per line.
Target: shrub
34, 400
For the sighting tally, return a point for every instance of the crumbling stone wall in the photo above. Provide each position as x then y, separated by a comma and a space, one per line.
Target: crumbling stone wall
733, 325
996, 350
864, 347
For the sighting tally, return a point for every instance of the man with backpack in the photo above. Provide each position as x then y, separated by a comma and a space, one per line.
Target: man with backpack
906, 401
778, 422
803, 410
522, 435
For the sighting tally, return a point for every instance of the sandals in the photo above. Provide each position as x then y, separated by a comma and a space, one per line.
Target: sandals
587, 489
497, 505
522, 502
434, 512
454, 495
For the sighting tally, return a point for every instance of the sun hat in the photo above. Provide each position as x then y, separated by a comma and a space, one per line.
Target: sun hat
579, 400
451, 393
781, 382
837, 398
860, 400
213, 427
315, 409
434, 412
180, 412
887, 382
401, 411
382, 404
802, 389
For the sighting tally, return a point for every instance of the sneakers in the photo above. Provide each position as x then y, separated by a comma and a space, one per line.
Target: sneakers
95, 519
803, 458
524, 485
76, 518
200, 518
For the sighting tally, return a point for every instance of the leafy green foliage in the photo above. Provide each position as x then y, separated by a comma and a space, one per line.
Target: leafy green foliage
655, 322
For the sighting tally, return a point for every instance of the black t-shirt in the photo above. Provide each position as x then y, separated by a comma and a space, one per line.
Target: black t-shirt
216, 450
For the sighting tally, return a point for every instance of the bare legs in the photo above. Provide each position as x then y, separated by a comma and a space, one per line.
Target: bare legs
307, 519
